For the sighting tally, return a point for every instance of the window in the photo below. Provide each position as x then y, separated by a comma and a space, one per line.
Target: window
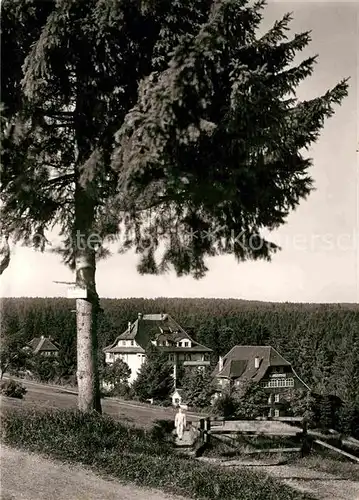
171, 357
276, 413
186, 344
282, 382
132, 342
270, 398
276, 398
277, 369
124, 342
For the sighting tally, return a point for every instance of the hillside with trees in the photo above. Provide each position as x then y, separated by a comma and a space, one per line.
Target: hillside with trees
320, 340
117, 118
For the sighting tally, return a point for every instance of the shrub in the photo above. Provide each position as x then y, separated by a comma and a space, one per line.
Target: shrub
13, 389
44, 369
224, 406
349, 419
162, 430
132, 455
116, 375
250, 400
197, 387
155, 378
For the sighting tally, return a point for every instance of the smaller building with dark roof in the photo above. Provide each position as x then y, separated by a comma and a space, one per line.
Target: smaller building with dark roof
44, 346
261, 364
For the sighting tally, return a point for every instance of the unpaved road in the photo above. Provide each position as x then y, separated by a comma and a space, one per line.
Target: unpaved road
322, 485
26, 476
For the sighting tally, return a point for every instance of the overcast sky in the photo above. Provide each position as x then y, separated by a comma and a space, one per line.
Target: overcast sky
319, 258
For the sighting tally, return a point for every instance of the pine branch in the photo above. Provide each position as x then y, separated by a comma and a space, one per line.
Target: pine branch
62, 179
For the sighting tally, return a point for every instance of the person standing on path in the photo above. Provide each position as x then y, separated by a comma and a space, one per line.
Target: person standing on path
180, 423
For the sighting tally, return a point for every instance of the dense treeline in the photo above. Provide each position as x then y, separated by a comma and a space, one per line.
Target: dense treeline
322, 341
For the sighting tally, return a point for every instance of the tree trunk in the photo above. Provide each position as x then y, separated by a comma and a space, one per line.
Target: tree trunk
5, 254
85, 254
87, 379
86, 308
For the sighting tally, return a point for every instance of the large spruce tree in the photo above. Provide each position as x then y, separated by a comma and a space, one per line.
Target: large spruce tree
175, 122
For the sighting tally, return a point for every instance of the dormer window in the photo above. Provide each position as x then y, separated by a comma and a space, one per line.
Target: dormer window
184, 343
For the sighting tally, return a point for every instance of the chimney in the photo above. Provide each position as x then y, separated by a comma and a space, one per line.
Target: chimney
256, 362
139, 316
129, 325
42, 336
220, 364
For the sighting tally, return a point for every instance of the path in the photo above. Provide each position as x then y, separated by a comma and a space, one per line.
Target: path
322, 485
26, 476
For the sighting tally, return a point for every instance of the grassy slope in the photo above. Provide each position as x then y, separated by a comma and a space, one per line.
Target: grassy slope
133, 455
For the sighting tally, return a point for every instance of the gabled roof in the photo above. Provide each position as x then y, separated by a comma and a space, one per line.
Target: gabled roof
152, 327
178, 391
239, 362
40, 344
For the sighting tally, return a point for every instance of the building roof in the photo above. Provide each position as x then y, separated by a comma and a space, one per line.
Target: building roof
234, 368
155, 327
41, 344
239, 362
124, 349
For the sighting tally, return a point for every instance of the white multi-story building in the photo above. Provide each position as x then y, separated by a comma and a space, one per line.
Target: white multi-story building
162, 331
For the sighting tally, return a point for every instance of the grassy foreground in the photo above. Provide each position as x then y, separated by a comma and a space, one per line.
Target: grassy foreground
133, 455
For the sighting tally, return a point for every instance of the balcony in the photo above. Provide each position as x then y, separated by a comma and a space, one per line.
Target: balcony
196, 363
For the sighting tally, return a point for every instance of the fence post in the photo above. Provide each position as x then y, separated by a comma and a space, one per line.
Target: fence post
306, 442
207, 428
